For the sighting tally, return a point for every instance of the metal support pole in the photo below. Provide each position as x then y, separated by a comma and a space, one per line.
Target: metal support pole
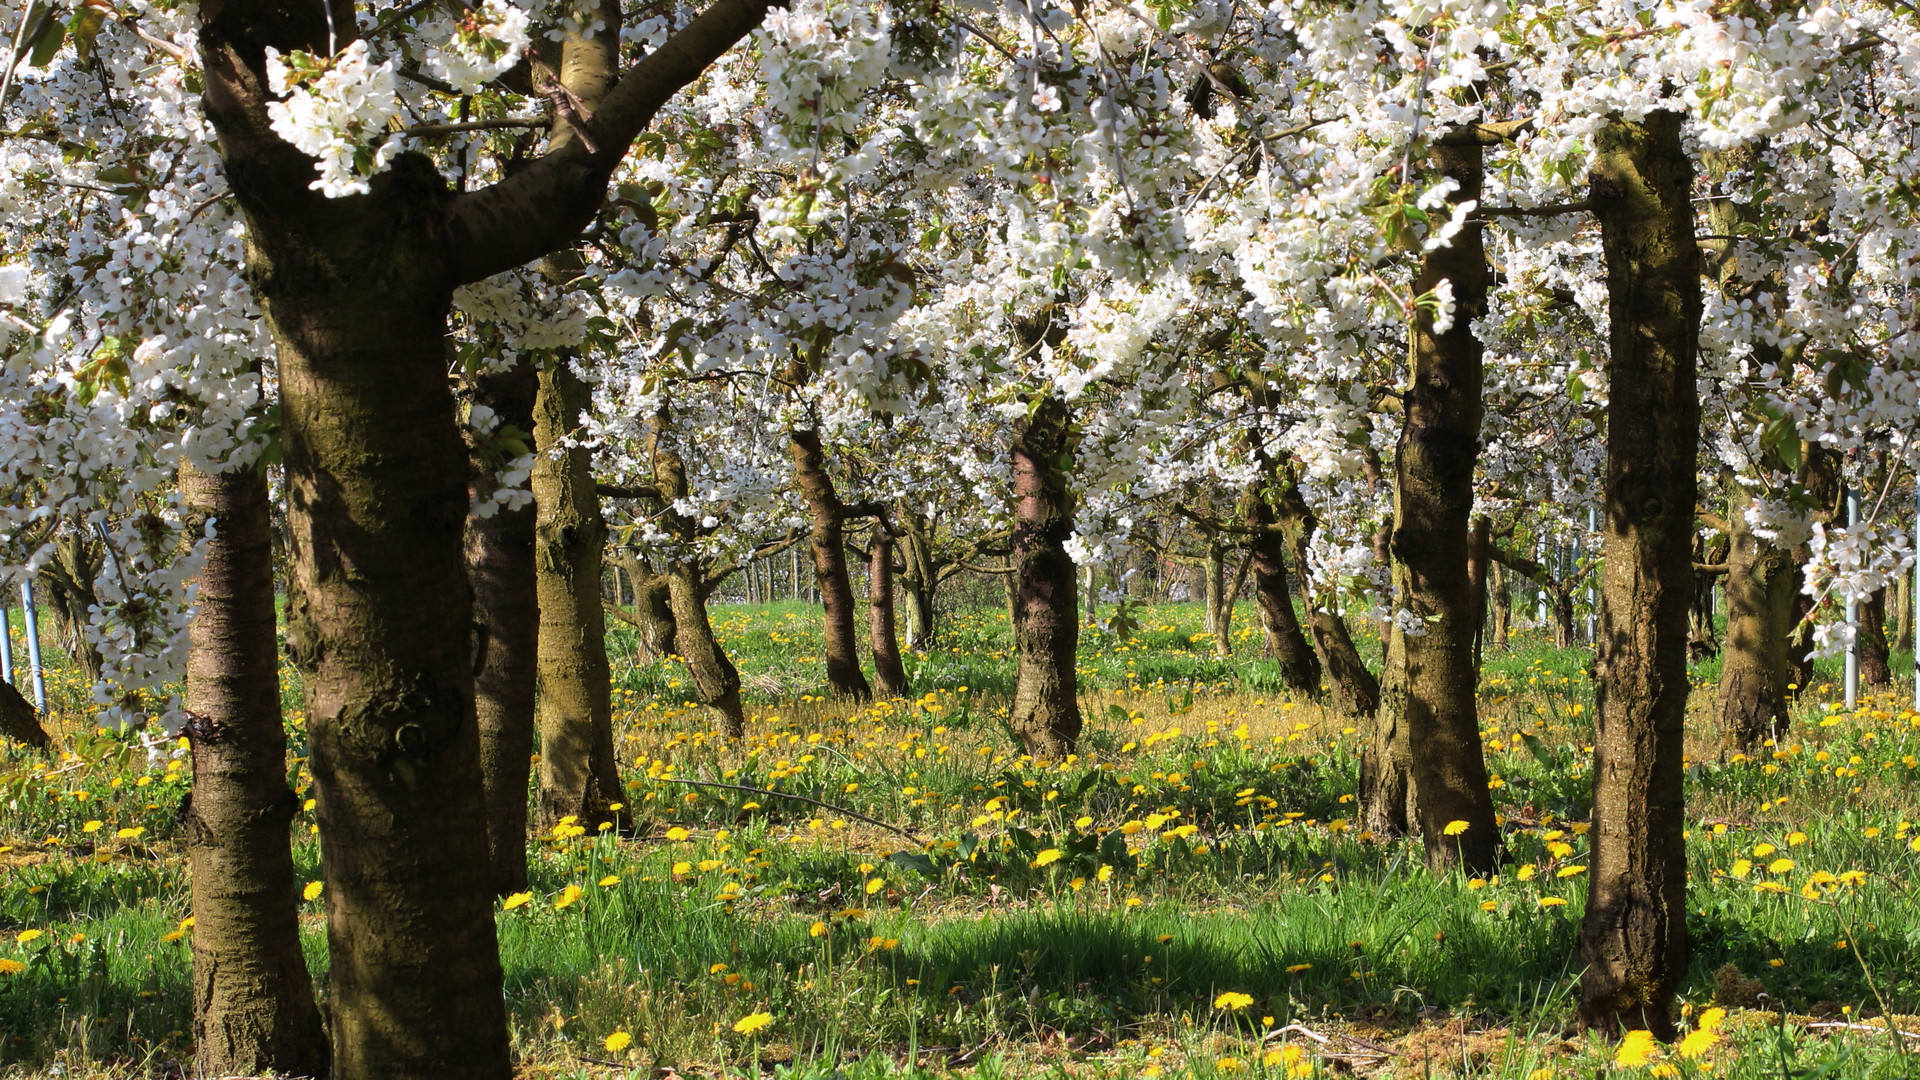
1913, 594
6, 645
1853, 614
31, 622
1540, 593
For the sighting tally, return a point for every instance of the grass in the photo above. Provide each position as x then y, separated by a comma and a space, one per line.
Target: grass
1083, 919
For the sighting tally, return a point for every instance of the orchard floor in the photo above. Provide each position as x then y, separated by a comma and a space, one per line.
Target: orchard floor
1188, 897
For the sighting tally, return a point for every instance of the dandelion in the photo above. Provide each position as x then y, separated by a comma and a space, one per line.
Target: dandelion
617, 1042
1779, 866
752, 1022
519, 899
1636, 1049
818, 929
1552, 901
610, 881
1233, 1001
26, 936
678, 834
92, 826
1741, 868
1454, 828
1229, 1064
1295, 969
876, 885
11, 967
312, 891
568, 896
133, 833
1046, 858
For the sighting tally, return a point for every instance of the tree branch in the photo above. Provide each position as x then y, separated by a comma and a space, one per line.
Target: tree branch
545, 206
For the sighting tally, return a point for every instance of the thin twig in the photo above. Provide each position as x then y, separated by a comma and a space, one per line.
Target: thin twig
908, 833
424, 131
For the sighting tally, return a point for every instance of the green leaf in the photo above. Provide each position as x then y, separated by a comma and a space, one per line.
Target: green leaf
46, 41
84, 27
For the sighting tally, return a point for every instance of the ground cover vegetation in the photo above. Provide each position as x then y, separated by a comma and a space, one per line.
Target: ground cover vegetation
1187, 894
713, 531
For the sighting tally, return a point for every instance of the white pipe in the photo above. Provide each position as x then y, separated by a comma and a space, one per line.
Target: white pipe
6, 645
1853, 614
31, 622
1593, 604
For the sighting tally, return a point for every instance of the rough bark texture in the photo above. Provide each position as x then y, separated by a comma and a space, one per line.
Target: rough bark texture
1756, 666
1428, 726
1479, 556
19, 721
887, 669
357, 291
1299, 667
579, 775
1633, 938
68, 596
506, 615
253, 1005
1046, 615
828, 539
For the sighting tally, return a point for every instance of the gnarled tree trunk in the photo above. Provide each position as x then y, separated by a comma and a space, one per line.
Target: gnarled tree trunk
19, 721
1046, 613
1633, 938
919, 580
652, 614
579, 774
506, 615
828, 540
1354, 692
1876, 671
1428, 725
253, 1006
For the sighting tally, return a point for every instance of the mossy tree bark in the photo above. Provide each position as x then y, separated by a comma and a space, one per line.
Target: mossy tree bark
19, 721
1633, 937
888, 671
827, 522
357, 291
1046, 610
652, 614
253, 1004
506, 615
579, 774
1427, 733
918, 580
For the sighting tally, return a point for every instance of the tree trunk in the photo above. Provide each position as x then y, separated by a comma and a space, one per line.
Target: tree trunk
1479, 555
715, 678
18, 720
827, 523
1355, 693
1046, 706
506, 614
69, 577
1428, 724
887, 669
1299, 667
1755, 666
1876, 670
1502, 605
918, 582
1633, 938
652, 615
253, 1005
1903, 613
1213, 578
579, 774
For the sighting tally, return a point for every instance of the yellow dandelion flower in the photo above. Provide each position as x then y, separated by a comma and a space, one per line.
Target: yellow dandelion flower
568, 896
752, 1022
618, 1041
92, 826
610, 881
312, 891
876, 885
1454, 828
818, 929
1047, 857
1552, 901
519, 899
26, 936
1232, 1000
1779, 866
678, 834
11, 967
1636, 1049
